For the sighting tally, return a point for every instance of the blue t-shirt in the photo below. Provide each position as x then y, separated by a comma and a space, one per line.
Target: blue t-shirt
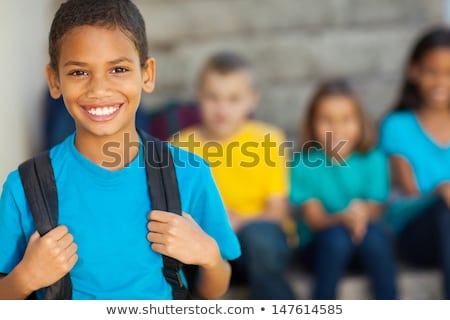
402, 135
106, 211
315, 177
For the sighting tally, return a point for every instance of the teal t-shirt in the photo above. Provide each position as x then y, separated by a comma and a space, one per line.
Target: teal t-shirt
106, 211
402, 135
314, 177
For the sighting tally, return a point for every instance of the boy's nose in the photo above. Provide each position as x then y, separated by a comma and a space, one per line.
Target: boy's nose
98, 88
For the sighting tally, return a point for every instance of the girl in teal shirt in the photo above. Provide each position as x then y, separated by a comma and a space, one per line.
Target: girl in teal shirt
339, 182
416, 136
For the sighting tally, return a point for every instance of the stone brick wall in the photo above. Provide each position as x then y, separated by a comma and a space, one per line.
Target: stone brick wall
292, 43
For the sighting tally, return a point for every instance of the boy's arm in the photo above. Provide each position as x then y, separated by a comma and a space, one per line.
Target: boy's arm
13, 286
276, 177
214, 276
276, 208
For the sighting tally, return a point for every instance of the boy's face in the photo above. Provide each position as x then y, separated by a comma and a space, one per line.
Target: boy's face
226, 100
101, 79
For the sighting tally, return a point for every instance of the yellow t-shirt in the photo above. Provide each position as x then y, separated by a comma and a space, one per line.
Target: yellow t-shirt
248, 167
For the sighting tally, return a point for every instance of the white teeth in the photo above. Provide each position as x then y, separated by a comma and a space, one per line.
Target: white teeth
105, 111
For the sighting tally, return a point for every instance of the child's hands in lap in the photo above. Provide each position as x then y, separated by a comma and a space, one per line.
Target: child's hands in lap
48, 258
357, 219
180, 237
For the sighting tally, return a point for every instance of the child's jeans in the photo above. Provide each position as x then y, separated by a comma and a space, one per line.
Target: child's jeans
425, 241
332, 250
264, 261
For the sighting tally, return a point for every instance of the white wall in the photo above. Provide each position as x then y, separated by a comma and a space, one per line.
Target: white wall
24, 26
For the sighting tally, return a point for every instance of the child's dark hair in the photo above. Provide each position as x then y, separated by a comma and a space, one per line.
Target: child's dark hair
122, 14
338, 87
225, 62
435, 38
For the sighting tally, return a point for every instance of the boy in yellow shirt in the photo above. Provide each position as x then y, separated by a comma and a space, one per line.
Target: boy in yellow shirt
248, 164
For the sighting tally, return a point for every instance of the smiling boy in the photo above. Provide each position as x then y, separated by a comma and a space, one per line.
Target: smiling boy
108, 238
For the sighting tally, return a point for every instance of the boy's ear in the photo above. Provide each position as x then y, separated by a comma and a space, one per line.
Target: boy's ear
148, 75
53, 82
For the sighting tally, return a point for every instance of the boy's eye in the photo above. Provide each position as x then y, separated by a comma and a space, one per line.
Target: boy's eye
78, 73
119, 70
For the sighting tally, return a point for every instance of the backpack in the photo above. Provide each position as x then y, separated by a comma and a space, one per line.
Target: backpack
39, 186
172, 117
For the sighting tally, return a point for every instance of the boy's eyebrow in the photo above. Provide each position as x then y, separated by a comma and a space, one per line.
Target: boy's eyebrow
84, 64
75, 63
119, 60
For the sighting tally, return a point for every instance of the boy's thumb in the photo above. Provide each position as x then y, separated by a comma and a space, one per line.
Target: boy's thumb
34, 237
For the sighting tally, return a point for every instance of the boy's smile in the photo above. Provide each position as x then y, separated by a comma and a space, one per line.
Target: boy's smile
103, 112
101, 79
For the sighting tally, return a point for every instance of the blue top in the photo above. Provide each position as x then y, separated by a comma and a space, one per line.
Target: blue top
402, 135
315, 177
106, 211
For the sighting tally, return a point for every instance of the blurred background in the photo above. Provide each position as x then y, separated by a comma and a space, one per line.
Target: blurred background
292, 43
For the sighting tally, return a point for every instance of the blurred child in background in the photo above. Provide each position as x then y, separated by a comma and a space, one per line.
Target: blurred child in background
249, 169
416, 136
340, 183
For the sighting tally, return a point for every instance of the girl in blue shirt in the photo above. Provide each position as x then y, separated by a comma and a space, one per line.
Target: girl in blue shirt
340, 181
416, 136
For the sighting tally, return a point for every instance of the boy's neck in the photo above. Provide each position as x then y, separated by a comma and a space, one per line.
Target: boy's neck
110, 152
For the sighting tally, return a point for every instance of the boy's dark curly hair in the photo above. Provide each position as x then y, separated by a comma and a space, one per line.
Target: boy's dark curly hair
122, 14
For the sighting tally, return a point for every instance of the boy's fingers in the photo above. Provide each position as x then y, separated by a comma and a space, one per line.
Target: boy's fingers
73, 260
65, 241
161, 216
71, 250
156, 237
160, 248
156, 226
58, 232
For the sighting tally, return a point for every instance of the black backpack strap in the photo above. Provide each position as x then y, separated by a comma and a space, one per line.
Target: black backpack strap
164, 195
39, 184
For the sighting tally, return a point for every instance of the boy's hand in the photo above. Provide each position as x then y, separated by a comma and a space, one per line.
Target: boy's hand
47, 259
181, 238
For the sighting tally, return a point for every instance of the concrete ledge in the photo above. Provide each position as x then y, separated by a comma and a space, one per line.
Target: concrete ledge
413, 284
